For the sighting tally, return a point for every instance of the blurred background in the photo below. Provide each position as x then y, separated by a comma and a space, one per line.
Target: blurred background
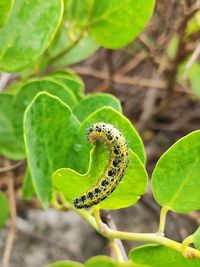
157, 80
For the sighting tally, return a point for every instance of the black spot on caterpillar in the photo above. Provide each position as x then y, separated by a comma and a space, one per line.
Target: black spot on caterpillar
114, 171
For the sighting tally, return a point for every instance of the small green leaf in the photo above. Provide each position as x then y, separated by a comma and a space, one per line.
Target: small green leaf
113, 23
49, 128
193, 76
94, 102
109, 115
71, 80
5, 10
128, 191
193, 25
196, 236
28, 190
65, 264
4, 209
101, 261
176, 177
159, 256
28, 32
173, 46
30, 90
10, 146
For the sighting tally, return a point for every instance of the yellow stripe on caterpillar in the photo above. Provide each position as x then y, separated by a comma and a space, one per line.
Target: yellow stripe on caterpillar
114, 171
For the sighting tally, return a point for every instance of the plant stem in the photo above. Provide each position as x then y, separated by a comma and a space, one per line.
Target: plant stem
186, 242
150, 238
110, 234
163, 215
115, 248
83, 213
96, 212
65, 51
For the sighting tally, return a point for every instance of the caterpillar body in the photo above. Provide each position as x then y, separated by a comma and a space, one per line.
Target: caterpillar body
114, 171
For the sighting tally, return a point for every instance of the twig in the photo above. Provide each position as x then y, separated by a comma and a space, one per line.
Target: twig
12, 230
119, 79
11, 167
138, 81
191, 61
132, 64
181, 51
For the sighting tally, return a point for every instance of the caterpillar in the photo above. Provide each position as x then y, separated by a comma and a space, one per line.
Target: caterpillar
114, 170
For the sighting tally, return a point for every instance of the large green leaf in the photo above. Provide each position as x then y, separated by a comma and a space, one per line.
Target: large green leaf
101, 261
10, 146
113, 23
81, 150
5, 10
176, 177
49, 129
29, 91
128, 191
93, 102
159, 256
29, 30
65, 264
4, 209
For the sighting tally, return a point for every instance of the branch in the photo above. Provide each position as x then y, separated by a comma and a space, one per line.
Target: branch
110, 234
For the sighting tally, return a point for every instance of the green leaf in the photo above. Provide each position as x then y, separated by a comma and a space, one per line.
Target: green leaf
72, 81
4, 209
28, 32
65, 264
159, 256
193, 25
196, 236
49, 128
28, 190
10, 146
175, 179
82, 50
5, 10
128, 191
173, 46
93, 102
193, 76
30, 90
108, 115
101, 261
113, 23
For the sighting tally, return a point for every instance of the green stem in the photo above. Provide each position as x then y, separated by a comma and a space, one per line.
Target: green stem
65, 51
108, 233
184, 248
83, 213
163, 215
150, 238
96, 212
115, 248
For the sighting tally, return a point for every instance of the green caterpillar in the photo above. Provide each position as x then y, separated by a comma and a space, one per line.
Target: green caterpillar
114, 171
